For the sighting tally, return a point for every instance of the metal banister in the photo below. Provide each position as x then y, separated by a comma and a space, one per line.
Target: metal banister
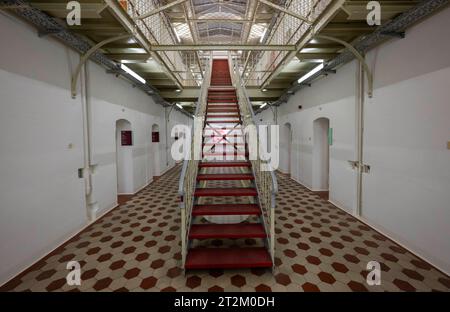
188, 176
265, 181
254, 119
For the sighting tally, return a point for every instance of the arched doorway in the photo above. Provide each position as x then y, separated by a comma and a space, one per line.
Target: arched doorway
155, 152
124, 158
286, 146
321, 155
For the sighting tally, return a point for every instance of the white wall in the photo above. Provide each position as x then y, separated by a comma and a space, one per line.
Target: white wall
285, 147
42, 199
407, 192
320, 163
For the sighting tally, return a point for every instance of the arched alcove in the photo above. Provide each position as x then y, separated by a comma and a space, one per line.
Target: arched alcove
321, 154
124, 157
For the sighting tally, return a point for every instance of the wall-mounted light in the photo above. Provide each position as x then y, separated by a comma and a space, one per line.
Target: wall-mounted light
132, 73
311, 73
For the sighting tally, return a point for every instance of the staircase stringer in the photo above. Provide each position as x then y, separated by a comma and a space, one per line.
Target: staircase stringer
189, 172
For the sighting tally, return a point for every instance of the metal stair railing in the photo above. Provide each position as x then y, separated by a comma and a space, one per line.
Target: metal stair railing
188, 177
266, 181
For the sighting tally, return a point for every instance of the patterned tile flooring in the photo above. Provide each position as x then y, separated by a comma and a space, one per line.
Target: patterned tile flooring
136, 247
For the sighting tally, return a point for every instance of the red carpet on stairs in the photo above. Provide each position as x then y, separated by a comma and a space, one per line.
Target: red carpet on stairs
225, 188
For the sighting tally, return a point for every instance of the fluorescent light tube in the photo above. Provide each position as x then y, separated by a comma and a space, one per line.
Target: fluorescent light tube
264, 105
179, 106
262, 35
311, 73
132, 73
177, 35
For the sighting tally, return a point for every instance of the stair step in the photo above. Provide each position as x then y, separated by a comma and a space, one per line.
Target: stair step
221, 110
222, 116
224, 153
222, 106
216, 88
225, 176
215, 135
222, 101
215, 164
213, 191
239, 230
223, 121
226, 210
228, 258
228, 95
224, 143
222, 128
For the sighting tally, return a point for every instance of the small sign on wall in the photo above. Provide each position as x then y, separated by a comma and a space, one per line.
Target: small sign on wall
126, 138
155, 137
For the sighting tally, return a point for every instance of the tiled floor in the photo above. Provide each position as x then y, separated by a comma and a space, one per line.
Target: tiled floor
319, 247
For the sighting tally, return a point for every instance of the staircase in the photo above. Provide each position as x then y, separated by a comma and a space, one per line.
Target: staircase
221, 208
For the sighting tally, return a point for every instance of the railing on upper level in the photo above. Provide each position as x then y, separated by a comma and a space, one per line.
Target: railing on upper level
157, 29
287, 30
188, 177
266, 181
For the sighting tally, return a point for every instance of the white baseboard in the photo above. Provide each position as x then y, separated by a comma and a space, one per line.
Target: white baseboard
395, 240
301, 183
167, 169
64, 241
382, 232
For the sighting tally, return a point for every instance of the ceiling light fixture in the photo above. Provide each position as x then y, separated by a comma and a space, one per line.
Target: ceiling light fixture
264, 90
311, 73
177, 35
180, 106
264, 105
132, 73
263, 35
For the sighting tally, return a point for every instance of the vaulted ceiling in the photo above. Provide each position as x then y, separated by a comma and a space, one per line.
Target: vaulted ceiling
273, 39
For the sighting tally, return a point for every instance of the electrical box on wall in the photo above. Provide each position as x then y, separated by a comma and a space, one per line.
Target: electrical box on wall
126, 138
155, 137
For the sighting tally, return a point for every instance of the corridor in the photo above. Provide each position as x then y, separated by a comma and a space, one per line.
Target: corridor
245, 146
319, 248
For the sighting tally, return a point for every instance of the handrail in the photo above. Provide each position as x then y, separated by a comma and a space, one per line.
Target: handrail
265, 181
254, 119
188, 176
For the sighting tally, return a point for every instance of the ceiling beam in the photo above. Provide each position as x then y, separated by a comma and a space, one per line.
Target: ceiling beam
191, 94
316, 56
142, 57
160, 9
318, 25
122, 46
98, 27
286, 11
223, 47
88, 10
357, 10
323, 46
116, 9
346, 28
